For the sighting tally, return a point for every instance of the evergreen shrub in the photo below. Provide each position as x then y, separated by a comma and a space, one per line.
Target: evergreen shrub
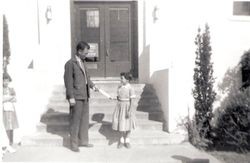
203, 93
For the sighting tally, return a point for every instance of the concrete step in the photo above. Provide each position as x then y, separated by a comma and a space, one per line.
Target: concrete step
105, 107
139, 93
100, 101
104, 138
99, 97
94, 126
54, 126
51, 116
111, 88
112, 85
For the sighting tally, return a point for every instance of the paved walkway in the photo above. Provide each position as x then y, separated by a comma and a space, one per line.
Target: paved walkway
181, 153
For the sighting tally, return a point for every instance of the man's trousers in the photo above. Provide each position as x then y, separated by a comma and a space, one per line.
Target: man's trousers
79, 123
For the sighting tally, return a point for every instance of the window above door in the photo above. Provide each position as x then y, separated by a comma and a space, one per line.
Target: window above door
241, 10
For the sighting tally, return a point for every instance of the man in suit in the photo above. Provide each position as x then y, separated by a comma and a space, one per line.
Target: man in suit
78, 84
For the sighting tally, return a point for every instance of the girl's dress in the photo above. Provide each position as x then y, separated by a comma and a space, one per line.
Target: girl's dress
9, 112
122, 120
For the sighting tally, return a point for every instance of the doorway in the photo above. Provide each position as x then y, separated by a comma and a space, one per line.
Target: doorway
109, 29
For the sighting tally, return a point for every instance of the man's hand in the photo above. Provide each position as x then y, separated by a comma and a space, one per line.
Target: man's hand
72, 101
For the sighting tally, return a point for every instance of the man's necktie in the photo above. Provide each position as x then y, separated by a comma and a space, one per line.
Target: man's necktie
83, 69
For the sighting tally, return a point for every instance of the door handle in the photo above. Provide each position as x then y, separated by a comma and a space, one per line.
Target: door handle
108, 55
107, 52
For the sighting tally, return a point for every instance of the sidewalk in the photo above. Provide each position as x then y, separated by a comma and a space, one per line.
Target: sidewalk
181, 153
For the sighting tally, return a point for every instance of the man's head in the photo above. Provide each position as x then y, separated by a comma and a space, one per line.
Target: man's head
82, 49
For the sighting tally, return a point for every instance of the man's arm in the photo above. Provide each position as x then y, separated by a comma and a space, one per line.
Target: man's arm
68, 80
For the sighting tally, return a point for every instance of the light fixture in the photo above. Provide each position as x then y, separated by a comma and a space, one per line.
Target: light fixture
48, 14
155, 14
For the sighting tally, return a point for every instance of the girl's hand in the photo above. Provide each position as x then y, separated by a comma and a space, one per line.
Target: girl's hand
13, 99
7, 98
112, 98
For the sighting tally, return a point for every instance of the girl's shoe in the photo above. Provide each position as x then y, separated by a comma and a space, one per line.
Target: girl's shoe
127, 145
120, 145
10, 149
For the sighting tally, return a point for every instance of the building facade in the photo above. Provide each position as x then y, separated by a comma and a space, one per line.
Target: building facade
152, 39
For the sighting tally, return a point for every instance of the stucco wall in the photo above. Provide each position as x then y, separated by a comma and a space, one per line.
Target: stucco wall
172, 49
22, 31
46, 45
168, 35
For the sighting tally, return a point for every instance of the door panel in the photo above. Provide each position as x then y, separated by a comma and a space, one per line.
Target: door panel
107, 28
91, 30
118, 39
119, 34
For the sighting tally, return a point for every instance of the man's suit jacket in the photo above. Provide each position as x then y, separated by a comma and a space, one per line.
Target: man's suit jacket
75, 82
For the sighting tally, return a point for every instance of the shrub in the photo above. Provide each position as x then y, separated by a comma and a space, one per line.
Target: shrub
203, 92
245, 69
6, 46
233, 124
233, 120
194, 135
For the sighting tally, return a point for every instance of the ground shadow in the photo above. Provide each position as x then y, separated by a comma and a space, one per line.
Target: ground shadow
106, 128
55, 124
150, 104
158, 78
185, 159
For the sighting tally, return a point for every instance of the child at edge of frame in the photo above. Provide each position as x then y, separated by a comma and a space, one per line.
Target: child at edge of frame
124, 119
9, 113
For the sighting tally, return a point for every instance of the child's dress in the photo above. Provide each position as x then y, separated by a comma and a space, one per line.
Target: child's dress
122, 120
9, 112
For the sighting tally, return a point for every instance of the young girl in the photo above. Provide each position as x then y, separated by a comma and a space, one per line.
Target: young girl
9, 113
123, 116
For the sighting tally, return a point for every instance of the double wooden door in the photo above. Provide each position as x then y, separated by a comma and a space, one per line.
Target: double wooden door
107, 27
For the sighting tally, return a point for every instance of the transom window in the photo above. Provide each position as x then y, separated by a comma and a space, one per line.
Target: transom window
241, 8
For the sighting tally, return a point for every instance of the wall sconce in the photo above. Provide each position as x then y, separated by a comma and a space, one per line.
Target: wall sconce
48, 14
155, 13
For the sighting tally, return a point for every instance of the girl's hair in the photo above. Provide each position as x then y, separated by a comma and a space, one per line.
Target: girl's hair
127, 75
6, 76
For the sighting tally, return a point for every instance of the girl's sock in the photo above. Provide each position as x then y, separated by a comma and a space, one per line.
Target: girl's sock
127, 140
122, 140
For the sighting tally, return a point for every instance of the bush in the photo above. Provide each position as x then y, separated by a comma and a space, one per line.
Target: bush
6, 45
194, 135
245, 69
233, 120
233, 124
